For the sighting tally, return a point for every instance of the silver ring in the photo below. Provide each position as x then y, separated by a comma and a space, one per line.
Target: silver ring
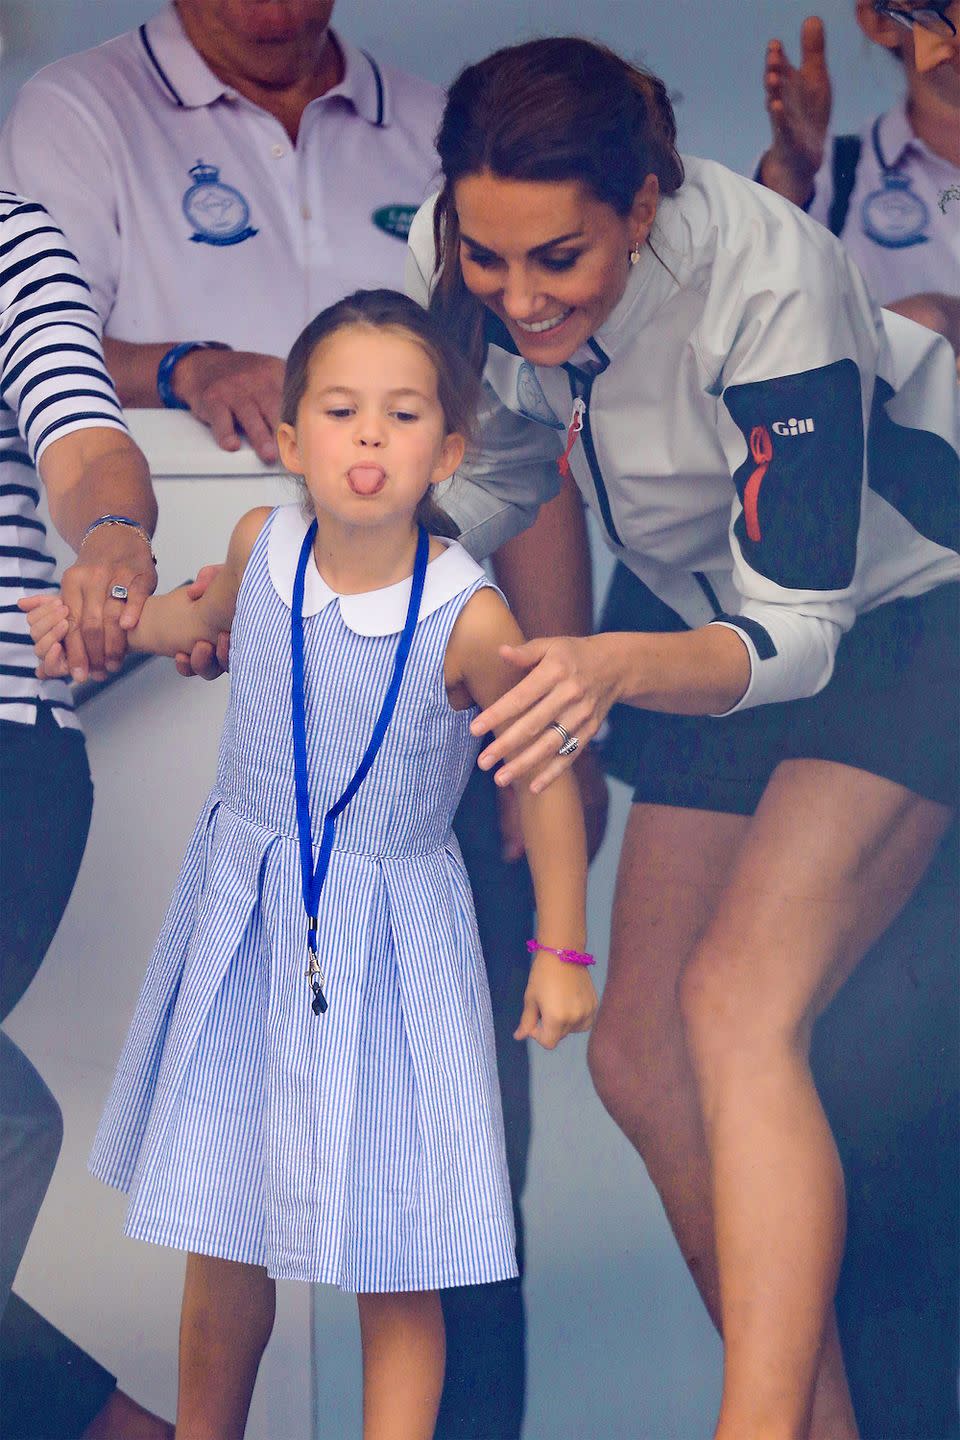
119, 592
570, 742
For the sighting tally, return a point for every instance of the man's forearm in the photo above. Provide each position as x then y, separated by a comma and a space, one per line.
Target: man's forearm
791, 180
96, 472
133, 369
934, 310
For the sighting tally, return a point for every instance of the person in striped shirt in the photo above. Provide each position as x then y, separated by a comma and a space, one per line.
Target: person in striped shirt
59, 413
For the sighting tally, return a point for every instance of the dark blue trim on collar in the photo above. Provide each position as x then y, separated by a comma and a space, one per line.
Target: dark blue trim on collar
885, 167
496, 333
142, 32
379, 83
603, 359
589, 372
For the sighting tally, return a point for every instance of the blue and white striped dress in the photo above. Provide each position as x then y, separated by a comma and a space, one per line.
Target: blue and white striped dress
363, 1148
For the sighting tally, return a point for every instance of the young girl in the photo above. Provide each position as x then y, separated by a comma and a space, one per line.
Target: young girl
308, 1089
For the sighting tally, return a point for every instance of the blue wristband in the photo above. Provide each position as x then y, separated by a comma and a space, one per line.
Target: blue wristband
169, 363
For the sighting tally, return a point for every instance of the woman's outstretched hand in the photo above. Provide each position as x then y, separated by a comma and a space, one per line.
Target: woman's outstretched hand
571, 681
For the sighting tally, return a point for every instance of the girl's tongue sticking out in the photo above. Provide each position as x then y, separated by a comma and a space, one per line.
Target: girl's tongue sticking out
366, 479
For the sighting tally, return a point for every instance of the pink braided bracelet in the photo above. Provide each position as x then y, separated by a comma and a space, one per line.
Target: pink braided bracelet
572, 957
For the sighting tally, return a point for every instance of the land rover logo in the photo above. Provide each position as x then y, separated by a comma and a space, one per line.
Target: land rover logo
395, 219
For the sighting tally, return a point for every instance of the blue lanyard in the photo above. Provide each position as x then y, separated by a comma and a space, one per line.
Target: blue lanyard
312, 879
886, 170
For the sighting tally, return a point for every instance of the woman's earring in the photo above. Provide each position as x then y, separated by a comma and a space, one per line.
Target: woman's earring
635, 253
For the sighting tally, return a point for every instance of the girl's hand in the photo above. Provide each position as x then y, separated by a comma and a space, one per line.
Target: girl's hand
559, 1000
572, 680
203, 659
49, 621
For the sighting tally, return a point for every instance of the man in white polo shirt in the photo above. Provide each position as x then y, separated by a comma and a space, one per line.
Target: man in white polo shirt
225, 172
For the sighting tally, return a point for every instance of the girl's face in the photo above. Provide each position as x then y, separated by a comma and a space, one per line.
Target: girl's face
547, 257
370, 438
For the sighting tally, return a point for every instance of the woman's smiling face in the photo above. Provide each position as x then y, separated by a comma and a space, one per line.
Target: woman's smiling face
547, 257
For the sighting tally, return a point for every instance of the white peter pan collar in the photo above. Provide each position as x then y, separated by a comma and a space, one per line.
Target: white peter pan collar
374, 612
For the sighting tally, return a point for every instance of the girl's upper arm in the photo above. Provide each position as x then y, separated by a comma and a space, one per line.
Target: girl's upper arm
244, 537
473, 653
222, 596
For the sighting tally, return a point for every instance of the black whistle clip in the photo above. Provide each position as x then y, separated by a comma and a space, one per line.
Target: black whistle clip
314, 974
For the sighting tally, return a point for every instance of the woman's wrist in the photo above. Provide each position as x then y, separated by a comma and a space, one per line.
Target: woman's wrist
613, 665
705, 671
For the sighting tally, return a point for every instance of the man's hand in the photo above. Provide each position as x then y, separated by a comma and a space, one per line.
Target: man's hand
234, 392
798, 103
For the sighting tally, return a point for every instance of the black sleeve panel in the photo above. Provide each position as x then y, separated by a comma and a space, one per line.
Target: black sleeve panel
800, 485
915, 471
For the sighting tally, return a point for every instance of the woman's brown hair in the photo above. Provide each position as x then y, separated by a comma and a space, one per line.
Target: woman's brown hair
556, 109
458, 387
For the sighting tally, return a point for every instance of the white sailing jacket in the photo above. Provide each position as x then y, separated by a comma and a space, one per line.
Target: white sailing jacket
760, 444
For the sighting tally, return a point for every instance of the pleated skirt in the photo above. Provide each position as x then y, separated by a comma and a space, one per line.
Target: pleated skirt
362, 1148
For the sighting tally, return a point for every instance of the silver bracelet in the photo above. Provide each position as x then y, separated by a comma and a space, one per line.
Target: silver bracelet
119, 520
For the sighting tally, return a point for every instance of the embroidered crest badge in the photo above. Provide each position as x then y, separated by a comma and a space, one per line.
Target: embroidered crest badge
394, 219
894, 216
218, 213
531, 400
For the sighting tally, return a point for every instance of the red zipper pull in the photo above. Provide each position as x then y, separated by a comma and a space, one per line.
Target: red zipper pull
573, 430
761, 449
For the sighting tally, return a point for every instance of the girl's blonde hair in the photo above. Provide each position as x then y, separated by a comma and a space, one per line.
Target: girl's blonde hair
458, 387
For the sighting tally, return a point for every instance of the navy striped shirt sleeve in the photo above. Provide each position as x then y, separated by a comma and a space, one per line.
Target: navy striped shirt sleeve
52, 373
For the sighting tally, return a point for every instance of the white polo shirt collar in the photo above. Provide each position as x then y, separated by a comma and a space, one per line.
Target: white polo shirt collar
187, 81
895, 136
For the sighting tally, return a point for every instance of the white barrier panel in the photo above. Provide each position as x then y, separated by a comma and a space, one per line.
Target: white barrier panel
152, 740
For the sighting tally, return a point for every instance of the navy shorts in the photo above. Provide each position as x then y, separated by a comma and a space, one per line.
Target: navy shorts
892, 708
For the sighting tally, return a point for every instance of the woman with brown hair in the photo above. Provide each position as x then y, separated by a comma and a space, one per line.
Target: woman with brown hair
712, 371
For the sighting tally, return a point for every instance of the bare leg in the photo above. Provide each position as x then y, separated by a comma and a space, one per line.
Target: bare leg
225, 1323
674, 866
403, 1362
123, 1419
830, 857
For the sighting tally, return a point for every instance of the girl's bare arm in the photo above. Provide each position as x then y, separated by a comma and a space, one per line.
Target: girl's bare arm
560, 997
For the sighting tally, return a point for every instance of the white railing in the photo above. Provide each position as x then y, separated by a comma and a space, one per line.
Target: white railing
152, 741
